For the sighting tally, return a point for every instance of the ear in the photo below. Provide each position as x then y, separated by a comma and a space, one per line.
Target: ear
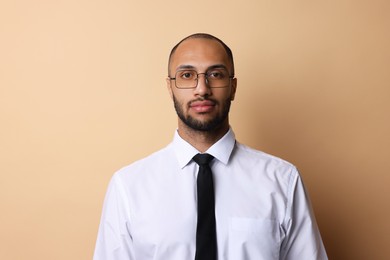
169, 81
233, 89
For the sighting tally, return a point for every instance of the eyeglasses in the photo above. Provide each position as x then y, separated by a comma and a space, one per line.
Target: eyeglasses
215, 78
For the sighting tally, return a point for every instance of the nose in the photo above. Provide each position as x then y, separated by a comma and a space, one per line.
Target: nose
202, 87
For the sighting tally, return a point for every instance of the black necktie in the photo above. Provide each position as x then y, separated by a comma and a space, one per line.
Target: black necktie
206, 235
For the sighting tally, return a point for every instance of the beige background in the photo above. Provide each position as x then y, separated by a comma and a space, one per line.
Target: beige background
82, 93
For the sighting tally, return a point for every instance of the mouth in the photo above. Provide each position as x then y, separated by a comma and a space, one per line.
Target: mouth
202, 106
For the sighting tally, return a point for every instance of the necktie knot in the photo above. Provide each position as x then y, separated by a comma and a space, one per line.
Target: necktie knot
203, 159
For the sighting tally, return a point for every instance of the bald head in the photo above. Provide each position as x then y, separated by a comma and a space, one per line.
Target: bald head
206, 36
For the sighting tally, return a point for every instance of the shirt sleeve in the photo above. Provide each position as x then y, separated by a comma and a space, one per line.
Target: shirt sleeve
114, 241
303, 239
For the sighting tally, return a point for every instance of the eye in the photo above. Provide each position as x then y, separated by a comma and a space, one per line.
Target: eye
186, 74
216, 74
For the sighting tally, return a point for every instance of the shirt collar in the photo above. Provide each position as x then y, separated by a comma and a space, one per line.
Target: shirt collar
221, 150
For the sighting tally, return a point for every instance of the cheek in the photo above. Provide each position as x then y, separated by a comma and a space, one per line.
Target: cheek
178, 98
227, 95
183, 95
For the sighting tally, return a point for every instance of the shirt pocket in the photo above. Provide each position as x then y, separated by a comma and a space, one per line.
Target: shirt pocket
253, 238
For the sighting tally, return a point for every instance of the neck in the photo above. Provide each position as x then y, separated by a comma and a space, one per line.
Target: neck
202, 140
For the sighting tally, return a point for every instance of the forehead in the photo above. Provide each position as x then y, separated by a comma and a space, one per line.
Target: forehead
200, 54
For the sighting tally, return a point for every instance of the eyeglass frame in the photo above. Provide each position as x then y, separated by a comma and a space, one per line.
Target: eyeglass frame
197, 77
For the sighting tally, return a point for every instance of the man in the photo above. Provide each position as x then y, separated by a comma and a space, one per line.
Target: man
237, 204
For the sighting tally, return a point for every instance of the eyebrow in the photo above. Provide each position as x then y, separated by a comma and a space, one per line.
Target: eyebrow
182, 67
215, 66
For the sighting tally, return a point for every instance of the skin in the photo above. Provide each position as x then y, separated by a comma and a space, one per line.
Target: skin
202, 104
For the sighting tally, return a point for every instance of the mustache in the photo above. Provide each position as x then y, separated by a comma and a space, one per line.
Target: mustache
213, 101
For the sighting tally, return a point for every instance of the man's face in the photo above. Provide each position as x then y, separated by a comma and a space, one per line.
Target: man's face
201, 108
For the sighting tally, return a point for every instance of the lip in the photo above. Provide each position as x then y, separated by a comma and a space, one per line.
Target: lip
202, 106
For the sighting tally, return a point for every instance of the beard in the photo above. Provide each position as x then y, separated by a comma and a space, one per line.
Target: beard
198, 125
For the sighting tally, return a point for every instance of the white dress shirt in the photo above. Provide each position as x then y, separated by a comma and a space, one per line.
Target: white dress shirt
261, 207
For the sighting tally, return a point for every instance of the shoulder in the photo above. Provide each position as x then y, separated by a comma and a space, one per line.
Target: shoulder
264, 163
147, 164
258, 156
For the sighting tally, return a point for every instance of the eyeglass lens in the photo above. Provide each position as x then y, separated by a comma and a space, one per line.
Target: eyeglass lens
216, 78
